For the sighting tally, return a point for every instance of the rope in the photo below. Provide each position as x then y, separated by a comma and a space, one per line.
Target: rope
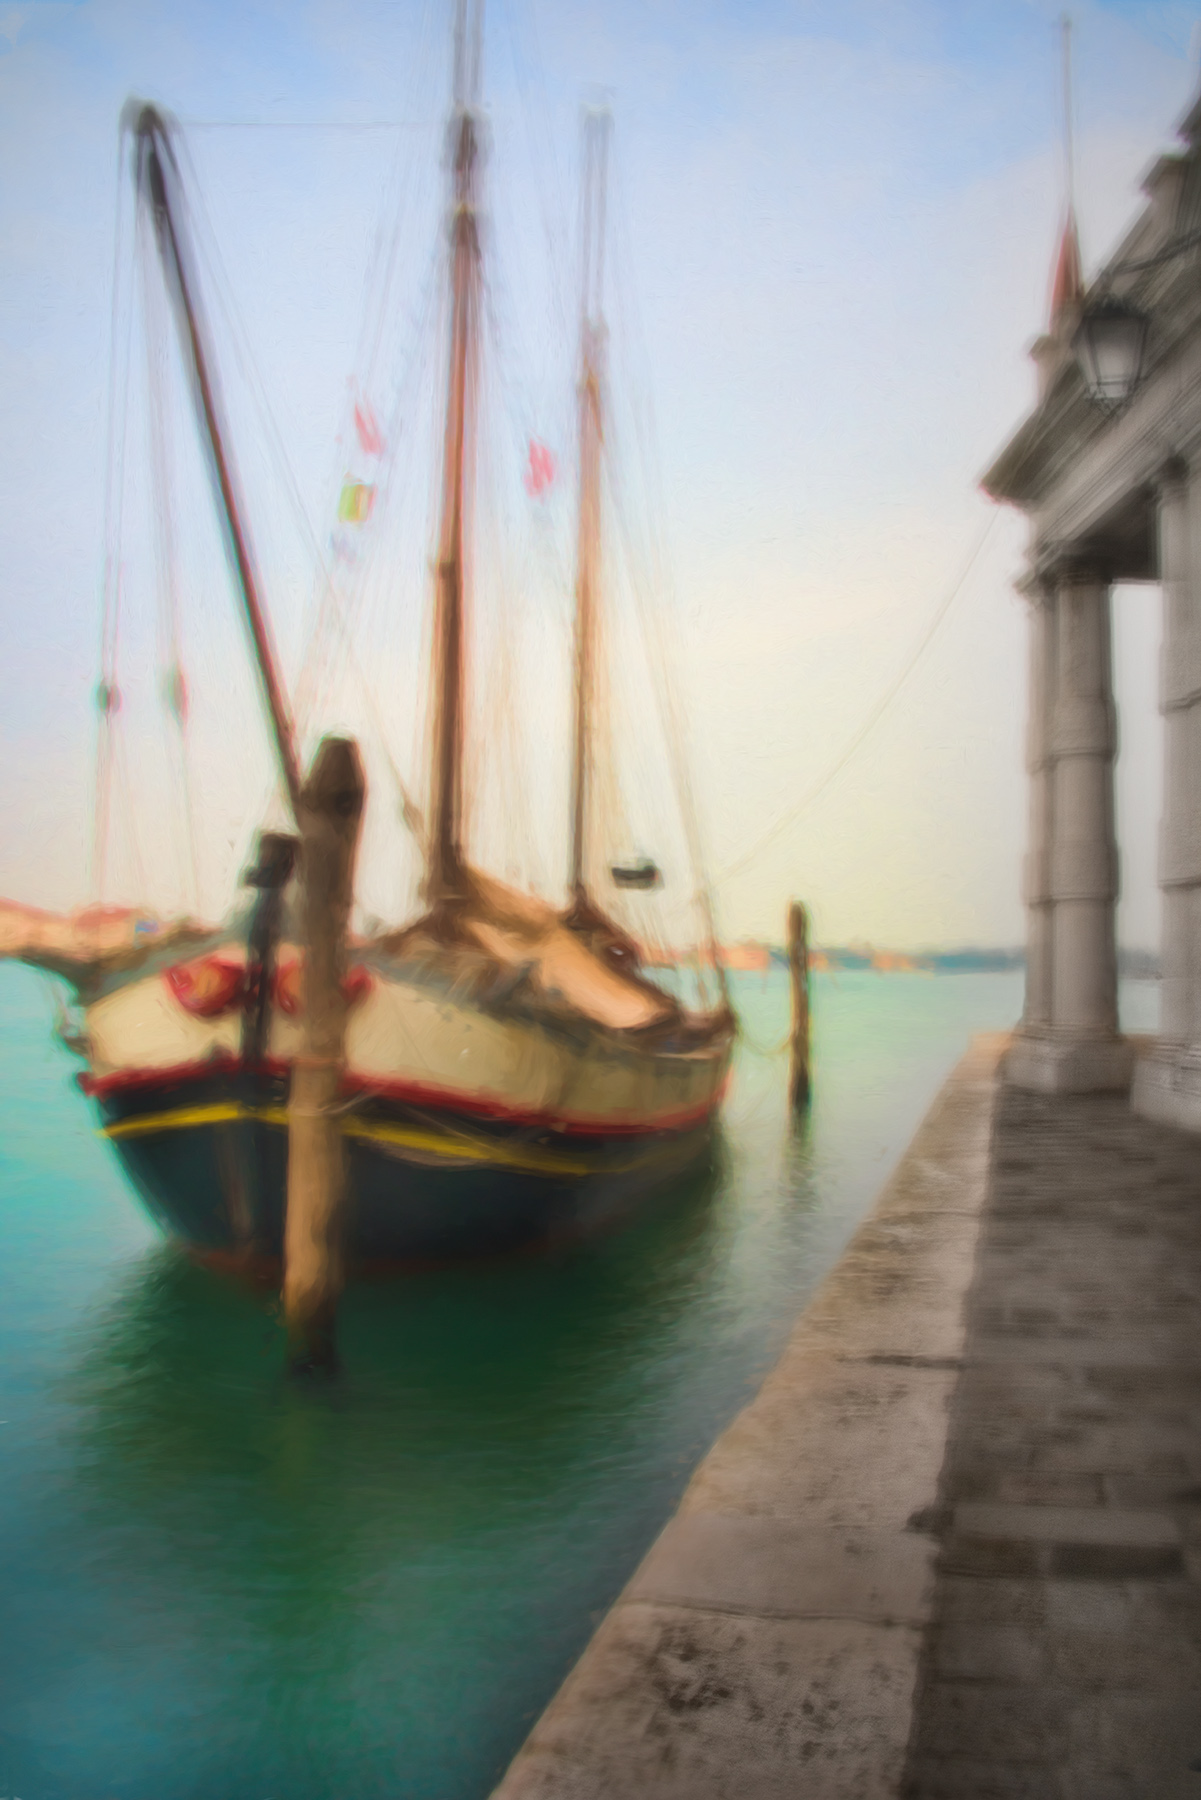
108, 697
249, 369
873, 718
174, 692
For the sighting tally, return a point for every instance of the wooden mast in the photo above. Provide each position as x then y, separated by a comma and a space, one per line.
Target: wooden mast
591, 439
153, 145
444, 873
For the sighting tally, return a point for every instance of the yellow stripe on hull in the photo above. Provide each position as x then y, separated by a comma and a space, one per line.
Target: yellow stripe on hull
532, 1159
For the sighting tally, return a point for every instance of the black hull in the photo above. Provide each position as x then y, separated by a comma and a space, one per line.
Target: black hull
209, 1158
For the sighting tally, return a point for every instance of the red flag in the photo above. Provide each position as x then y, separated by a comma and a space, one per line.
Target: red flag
540, 471
370, 436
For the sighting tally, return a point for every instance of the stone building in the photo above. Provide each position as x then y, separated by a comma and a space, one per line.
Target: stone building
1108, 469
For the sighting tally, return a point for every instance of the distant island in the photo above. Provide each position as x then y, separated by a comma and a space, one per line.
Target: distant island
973, 959
752, 957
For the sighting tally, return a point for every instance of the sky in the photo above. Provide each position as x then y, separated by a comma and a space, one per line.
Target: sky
833, 228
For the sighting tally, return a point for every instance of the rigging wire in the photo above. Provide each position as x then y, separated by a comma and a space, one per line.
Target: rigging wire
108, 694
671, 719
248, 368
350, 125
1069, 144
873, 718
334, 607
652, 624
174, 693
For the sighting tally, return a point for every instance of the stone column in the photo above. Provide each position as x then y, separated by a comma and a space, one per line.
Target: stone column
1036, 873
1073, 1047
1168, 1083
1084, 856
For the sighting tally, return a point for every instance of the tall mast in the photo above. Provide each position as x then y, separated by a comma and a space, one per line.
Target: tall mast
591, 438
155, 157
444, 873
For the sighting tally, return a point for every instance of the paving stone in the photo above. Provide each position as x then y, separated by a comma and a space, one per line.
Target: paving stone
1114, 1562
992, 1557
1086, 1661
988, 1720
1000, 1602
1146, 1741
1091, 1606
1068, 1524
1049, 1487
967, 1778
772, 1567
770, 1645
987, 1652
672, 1703
756, 1654
1073, 1506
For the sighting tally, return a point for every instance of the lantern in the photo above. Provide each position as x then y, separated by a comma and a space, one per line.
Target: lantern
1110, 342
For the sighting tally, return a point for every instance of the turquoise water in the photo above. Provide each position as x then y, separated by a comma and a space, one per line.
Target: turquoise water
214, 1584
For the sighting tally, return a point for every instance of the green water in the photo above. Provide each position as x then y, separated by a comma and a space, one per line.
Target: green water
213, 1584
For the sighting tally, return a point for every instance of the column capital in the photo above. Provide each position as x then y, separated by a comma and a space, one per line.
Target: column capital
1068, 565
1171, 476
1034, 587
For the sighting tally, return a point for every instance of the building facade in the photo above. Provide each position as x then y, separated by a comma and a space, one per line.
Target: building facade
1112, 489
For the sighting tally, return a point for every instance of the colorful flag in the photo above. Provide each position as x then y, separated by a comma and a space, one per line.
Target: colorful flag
370, 436
357, 499
540, 470
175, 694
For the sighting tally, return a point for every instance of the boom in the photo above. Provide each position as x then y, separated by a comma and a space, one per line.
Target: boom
157, 176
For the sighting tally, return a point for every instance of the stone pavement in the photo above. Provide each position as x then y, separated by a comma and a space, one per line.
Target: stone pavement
1064, 1654
769, 1645
952, 1549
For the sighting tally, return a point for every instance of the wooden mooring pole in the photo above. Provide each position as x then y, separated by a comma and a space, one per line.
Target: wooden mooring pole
798, 968
329, 816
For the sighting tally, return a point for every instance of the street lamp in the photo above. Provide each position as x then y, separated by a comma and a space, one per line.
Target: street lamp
1109, 344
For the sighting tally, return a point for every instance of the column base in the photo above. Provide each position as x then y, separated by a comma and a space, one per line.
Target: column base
1167, 1085
1056, 1063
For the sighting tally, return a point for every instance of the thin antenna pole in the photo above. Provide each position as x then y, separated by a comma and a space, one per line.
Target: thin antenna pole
591, 439
1069, 149
468, 54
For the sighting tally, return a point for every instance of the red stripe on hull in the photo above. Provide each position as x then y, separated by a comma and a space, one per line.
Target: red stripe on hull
413, 1093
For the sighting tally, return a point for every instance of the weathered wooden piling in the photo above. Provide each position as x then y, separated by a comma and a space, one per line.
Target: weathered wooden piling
798, 968
329, 816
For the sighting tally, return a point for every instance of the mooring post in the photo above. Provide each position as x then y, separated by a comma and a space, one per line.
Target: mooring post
798, 968
330, 814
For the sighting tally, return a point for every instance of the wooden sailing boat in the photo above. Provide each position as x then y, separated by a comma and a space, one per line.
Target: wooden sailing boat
511, 1074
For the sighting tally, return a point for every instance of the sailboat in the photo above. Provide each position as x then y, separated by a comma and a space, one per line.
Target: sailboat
512, 1074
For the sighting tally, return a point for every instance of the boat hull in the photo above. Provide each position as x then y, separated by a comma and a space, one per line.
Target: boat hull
208, 1155
465, 1133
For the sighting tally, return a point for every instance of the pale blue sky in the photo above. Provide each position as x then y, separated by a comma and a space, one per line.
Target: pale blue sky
838, 225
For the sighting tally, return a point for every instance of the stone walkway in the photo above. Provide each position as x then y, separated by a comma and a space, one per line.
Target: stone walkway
952, 1549
1064, 1654
769, 1645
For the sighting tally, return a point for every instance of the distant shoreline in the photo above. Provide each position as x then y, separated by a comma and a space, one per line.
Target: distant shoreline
1140, 964
753, 958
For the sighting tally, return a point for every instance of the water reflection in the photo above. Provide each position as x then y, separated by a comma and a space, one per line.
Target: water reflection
217, 1584
468, 1483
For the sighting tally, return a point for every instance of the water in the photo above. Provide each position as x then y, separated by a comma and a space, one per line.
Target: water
215, 1584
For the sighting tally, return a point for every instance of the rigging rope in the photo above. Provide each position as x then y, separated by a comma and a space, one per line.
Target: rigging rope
174, 689
248, 367
108, 694
873, 718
